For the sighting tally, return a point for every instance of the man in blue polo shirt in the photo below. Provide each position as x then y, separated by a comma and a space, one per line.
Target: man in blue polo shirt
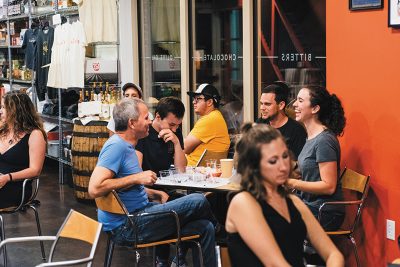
118, 169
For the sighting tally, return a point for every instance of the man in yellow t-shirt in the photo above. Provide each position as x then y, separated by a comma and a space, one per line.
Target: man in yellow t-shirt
210, 131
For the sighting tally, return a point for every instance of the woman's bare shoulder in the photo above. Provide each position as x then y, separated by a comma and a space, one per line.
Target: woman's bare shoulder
36, 135
298, 203
244, 199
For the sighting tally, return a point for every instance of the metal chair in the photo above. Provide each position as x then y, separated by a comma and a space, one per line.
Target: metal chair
358, 184
75, 226
207, 154
113, 204
23, 205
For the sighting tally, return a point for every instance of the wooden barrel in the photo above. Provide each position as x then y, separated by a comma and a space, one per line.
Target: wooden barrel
87, 142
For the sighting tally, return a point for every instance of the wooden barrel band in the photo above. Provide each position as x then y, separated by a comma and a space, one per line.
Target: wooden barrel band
84, 154
80, 188
81, 173
91, 135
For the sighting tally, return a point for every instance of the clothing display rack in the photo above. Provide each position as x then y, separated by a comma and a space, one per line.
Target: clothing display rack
62, 122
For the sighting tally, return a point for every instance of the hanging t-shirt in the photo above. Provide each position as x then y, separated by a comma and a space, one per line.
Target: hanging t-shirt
58, 70
110, 22
68, 56
29, 46
76, 56
44, 45
54, 79
98, 30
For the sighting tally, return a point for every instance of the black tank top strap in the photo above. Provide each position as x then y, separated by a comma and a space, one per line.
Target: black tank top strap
288, 235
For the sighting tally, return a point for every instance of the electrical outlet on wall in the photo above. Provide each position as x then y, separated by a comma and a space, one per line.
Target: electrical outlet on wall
390, 229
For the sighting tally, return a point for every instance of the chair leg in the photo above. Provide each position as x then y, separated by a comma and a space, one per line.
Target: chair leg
353, 242
154, 256
137, 254
3, 236
39, 231
109, 252
200, 253
218, 255
177, 256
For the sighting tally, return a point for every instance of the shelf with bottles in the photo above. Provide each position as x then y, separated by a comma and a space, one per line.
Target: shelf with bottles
98, 99
15, 8
5, 46
17, 31
20, 74
73, 10
6, 79
22, 81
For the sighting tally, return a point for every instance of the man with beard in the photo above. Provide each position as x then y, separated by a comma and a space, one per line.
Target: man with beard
273, 101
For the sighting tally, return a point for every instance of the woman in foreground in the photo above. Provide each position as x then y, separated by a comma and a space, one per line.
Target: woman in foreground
266, 225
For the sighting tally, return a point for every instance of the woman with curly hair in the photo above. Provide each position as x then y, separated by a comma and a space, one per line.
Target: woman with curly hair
22, 146
319, 161
266, 224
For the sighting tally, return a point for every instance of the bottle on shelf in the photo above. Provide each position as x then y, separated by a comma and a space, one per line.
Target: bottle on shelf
113, 100
105, 106
81, 96
100, 95
94, 90
80, 104
87, 98
102, 90
119, 95
108, 93
92, 95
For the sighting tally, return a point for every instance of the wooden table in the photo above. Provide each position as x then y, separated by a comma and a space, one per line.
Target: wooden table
200, 187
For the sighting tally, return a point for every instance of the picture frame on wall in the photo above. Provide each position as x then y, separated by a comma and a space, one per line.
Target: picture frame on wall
394, 13
365, 4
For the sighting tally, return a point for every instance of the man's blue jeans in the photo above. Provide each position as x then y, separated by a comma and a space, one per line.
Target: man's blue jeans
195, 218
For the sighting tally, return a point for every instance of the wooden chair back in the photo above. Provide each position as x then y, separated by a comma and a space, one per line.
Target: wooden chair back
81, 227
355, 181
111, 203
207, 154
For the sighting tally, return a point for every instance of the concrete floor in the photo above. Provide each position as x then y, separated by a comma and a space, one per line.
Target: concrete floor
56, 201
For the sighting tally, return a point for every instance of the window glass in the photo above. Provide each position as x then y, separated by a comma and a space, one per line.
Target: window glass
159, 50
290, 43
216, 54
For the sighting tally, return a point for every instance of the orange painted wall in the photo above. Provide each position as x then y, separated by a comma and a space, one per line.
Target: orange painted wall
363, 69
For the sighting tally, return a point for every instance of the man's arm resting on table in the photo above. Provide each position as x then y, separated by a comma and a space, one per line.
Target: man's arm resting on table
102, 182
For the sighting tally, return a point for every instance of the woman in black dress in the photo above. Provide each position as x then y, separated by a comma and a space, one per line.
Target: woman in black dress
266, 225
22, 146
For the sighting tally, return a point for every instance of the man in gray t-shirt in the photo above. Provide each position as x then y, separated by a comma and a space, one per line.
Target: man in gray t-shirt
322, 148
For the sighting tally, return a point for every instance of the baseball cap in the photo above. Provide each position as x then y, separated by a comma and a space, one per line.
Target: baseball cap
208, 91
132, 85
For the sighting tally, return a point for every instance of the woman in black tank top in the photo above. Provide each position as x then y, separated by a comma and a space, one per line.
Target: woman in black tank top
22, 146
266, 225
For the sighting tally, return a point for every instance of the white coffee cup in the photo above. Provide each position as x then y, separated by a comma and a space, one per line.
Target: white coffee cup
226, 167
